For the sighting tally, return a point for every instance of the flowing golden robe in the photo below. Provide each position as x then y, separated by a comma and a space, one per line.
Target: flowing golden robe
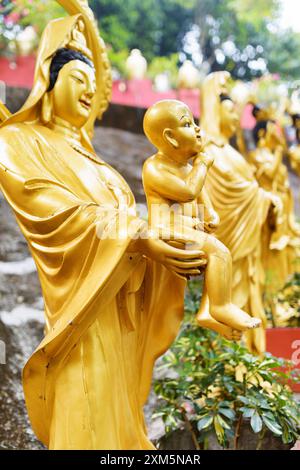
108, 316
243, 208
279, 246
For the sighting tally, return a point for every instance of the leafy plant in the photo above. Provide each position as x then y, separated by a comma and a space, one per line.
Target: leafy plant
219, 385
38, 13
284, 308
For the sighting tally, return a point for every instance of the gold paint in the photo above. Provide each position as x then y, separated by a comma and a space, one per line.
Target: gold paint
242, 205
169, 179
107, 315
281, 237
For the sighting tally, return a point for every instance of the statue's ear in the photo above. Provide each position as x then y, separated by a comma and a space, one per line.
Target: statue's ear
168, 137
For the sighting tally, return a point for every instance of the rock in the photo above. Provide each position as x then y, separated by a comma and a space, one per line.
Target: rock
15, 430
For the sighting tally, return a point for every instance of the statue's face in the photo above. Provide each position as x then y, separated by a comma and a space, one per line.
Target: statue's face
185, 132
228, 118
73, 92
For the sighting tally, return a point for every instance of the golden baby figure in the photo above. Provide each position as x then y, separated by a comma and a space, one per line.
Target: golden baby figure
170, 179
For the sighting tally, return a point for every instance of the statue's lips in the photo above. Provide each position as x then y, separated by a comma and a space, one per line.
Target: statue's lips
86, 104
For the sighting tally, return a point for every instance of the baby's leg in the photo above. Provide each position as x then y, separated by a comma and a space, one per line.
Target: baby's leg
205, 320
218, 281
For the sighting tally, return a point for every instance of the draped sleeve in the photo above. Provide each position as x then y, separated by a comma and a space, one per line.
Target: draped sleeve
81, 263
241, 204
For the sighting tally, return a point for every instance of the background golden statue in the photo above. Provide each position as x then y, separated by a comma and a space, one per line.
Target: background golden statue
280, 237
242, 205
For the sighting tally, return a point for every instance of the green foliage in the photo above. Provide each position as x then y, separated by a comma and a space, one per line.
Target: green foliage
282, 49
168, 65
254, 12
237, 35
38, 14
286, 304
118, 60
241, 37
8, 30
219, 384
154, 26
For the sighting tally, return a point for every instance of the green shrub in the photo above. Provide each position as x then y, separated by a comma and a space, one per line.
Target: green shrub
219, 383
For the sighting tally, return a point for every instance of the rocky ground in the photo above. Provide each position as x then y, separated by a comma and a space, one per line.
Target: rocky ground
21, 304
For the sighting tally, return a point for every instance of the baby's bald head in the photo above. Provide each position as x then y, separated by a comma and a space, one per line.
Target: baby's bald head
165, 114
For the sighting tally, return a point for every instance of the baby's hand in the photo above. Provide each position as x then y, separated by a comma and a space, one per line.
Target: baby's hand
202, 157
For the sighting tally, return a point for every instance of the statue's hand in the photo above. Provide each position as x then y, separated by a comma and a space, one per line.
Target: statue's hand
184, 263
212, 220
205, 158
277, 207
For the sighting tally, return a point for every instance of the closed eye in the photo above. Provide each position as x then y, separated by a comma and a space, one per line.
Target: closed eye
77, 79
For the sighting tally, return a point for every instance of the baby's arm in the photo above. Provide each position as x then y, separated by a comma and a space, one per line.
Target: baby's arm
173, 187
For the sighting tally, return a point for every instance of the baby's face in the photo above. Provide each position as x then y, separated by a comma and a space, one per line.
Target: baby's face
186, 132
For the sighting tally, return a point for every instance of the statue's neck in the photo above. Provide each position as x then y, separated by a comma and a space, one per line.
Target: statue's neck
65, 128
172, 159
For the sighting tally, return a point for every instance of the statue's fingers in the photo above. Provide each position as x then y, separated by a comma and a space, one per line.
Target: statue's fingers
188, 272
183, 264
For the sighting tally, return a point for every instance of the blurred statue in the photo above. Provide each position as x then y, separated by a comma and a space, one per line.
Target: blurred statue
242, 205
113, 299
136, 65
175, 195
26, 41
188, 75
294, 150
280, 237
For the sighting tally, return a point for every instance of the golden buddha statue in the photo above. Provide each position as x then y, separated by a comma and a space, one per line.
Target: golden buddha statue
103, 279
175, 197
281, 239
242, 205
294, 150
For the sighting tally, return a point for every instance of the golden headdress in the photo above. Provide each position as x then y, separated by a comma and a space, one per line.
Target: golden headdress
78, 32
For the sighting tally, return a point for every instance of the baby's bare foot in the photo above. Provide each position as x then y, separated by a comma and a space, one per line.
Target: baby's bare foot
205, 320
234, 317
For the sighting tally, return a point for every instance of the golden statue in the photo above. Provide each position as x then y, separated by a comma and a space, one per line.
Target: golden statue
175, 197
242, 205
104, 281
294, 150
281, 237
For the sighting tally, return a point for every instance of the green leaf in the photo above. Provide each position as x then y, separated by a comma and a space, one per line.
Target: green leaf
228, 412
223, 422
219, 429
256, 422
272, 425
247, 412
204, 422
243, 399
